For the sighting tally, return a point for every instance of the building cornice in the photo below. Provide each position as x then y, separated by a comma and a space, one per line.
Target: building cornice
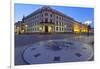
47, 8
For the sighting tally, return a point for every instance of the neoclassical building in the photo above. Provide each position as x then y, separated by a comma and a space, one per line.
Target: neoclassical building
49, 20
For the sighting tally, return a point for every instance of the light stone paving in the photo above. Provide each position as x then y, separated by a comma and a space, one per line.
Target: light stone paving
55, 51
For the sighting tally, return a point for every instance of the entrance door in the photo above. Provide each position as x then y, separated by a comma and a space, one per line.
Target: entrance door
46, 28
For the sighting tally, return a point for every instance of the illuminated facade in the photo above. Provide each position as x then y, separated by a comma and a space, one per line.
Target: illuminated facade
84, 28
17, 27
76, 28
49, 20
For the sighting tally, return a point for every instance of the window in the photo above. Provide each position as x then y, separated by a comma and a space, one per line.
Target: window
41, 20
46, 14
46, 20
57, 58
57, 17
51, 20
60, 23
42, 15
50, 15
56, 28
62, 29
57, 22
33, 29
37, 16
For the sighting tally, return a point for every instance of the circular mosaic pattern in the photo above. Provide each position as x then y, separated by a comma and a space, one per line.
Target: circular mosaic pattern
52, 51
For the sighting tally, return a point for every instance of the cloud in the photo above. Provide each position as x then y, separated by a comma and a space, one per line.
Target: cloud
88, 22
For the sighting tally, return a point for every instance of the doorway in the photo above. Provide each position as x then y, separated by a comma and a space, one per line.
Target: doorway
46, 29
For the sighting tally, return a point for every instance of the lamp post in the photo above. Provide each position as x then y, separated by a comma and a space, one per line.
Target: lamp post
88, 23
89, 28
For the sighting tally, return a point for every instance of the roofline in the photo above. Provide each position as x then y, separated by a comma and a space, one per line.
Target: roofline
53, 10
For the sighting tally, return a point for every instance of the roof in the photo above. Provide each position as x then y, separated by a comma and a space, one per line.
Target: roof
48, 8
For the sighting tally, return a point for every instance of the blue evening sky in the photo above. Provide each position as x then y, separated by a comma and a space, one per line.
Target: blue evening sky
78, 13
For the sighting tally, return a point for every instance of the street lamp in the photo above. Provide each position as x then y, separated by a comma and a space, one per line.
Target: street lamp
40, 28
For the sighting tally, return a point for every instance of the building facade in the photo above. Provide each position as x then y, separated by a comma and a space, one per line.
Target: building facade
49, 20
